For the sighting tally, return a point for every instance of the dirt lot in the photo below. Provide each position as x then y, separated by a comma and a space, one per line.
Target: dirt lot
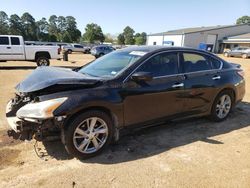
193, 153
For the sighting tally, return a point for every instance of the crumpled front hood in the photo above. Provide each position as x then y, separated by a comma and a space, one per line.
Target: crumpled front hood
44, 77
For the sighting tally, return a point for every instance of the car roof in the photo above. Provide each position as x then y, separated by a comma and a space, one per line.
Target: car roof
155, 48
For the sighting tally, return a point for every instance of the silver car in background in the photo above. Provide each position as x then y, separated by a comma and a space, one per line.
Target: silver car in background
243, 52
101, 50
76, 48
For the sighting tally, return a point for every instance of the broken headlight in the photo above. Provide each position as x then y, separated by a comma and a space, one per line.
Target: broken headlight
40, 110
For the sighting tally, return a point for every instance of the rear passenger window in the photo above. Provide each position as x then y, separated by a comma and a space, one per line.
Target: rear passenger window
216, 64
15, 41
4, 41
195, 62
161, 65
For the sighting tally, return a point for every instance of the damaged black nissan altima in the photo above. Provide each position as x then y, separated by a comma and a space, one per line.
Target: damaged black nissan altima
88, 106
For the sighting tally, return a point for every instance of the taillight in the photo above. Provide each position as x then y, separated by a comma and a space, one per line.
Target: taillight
241, 73
58, 51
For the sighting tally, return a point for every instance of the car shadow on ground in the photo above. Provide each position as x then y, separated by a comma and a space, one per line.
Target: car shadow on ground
155, 140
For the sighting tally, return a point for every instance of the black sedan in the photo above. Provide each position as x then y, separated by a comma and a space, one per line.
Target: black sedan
88, 106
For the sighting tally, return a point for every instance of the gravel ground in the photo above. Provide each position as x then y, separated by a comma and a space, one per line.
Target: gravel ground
191, 153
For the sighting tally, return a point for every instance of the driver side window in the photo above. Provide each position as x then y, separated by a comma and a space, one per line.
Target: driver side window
161, 65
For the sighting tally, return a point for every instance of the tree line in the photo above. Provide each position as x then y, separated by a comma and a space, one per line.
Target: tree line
63, 29
54, 29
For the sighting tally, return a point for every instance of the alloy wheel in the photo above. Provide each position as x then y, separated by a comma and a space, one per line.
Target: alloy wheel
43, 62
90, 135
223, 106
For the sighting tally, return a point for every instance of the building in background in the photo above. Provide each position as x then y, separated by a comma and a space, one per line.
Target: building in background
236, 41
213, 37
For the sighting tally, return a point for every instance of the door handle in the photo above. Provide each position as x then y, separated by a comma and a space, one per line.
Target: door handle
177, 85
216, 78
8, 47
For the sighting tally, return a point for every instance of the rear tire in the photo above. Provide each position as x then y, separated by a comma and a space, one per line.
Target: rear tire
222, 106
42, 61
69, 51
82, 141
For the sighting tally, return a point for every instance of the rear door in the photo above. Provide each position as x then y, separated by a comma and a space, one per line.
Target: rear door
17, 49
201, 80
5, 48
158, 98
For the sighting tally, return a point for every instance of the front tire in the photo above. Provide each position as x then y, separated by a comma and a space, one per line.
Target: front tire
88, 134
222, 106
42, 61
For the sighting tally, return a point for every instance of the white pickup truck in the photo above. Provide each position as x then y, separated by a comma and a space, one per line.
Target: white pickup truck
13, 48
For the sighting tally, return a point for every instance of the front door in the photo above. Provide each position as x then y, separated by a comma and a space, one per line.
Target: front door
158, 98
5, 48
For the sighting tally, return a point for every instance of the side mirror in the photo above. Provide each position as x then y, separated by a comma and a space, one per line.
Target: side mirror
141, 76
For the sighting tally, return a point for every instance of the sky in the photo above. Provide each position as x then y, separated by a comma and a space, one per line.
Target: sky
150, 16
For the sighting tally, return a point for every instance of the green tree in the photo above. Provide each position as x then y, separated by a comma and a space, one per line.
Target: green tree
53, 28
73, 33
140, 38
121, 39
144, 36
137, 35
93, 33
15, 25
243, 20
29, 27
61, 28
43, 30
128, 33
4, 26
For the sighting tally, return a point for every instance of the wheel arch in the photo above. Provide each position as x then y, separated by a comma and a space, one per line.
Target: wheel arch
113, 116
231, 89
42, 54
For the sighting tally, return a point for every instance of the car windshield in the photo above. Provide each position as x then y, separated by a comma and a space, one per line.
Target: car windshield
111, 64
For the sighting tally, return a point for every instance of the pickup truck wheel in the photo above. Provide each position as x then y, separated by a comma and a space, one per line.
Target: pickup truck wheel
226, 54
88, 134
43, 61
69, 51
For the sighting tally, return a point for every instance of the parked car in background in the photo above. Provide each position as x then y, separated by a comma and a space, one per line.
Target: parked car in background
101, 50
76, 48
12, 48
243, 52
147, 85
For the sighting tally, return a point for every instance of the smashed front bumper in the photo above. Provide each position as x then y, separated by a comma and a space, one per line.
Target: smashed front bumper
27, 129
20, 129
